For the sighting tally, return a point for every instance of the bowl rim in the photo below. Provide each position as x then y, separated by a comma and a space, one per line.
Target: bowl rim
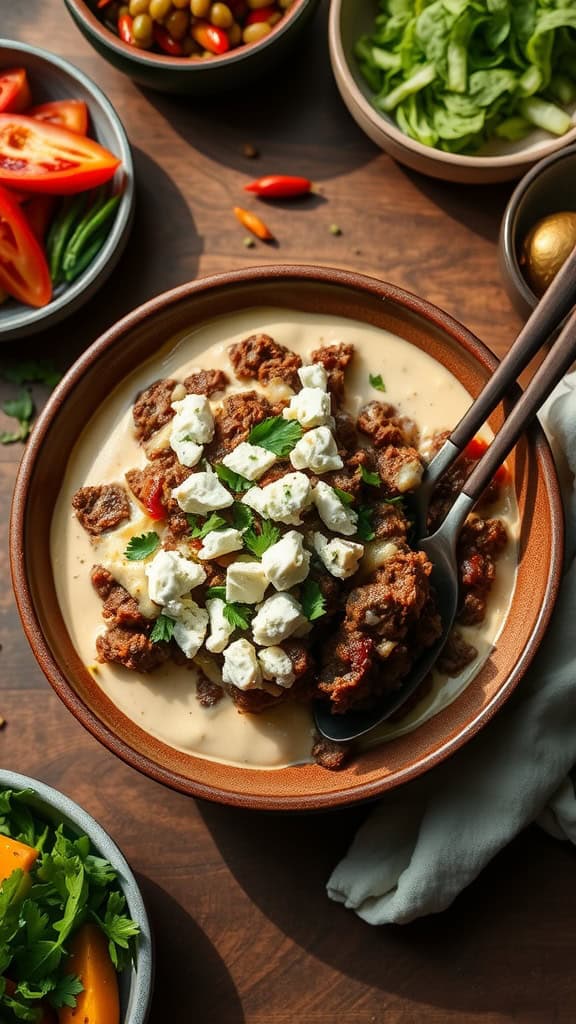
508, 231
275, 273
381, 122
147, 59
29, 319
142, 977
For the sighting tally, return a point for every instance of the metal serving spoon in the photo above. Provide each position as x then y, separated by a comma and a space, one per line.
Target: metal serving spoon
441, 546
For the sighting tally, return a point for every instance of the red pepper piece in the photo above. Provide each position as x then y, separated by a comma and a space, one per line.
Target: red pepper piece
152, 501
210, 37
167, 44
125, 29
475, 450
276, 186
103, 3
263, 14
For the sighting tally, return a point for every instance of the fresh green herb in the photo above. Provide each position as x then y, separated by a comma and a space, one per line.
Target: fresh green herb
21, 409
41, 371
345, 497
365, 523
258, 543
117, 927
214, 522
242, 516
370, 478
312, 600
398, 500
238, 615
277, 435
235, 481
163, 630
377, 382
141, 547
216, 592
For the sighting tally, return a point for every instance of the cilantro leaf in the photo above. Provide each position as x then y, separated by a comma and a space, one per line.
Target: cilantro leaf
119, 929
41, 370
312, 600
216, 592
242, 516
142, 547
65, 990
238, 615
377, 382
163, 629
365, 524
21, 409
258, 543
11, 436
235, 481
345, 497
277, 435
214, 522
370, 478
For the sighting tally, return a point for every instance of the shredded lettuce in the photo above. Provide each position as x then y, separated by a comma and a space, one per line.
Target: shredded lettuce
456, 73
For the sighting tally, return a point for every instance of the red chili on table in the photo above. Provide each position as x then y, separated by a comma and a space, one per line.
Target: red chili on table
279, 186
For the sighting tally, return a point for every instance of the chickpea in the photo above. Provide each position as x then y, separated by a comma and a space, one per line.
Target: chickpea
255, 5
235, 34
142, 30
137, 7
221, 16
253, 33
177, 24
200, 8
159, 9
123, 10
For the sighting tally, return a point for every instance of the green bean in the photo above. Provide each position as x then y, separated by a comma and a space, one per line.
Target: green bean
88, 227
60, 231
86, 257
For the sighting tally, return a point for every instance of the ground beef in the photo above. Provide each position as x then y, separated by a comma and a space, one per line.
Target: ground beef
330, 587
276, 472
261, 358
177, 527
378, 420
345, 432
153, 408
101, 508
208, 693
479, 544
119, 609
389, 521
346, 675
396, 593
234, 420
132, 649
206, 382
328, 754
456, 654
157, 481
347, 479
334, 359
400, 469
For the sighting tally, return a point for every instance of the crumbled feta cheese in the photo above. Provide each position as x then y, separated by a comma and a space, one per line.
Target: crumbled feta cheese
190, 625
313, 376
220, 542
220, 629
245, 582
202, 492
170, 575
277, 666
287, 562
250, 460
338, 517
241, 667
279, 617
409, 476
316, 450
283, 500
340, 557
193, 418
311, 407
187, 453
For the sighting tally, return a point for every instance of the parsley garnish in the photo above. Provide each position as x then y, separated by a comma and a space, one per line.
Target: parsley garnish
42, 371
216, 592
238, 615
214, 522
235, 481
117, 927
277, 435
312, 600
377, 382
21, 409
365, 524
163, 629
345, 497
141, 547
258, 543
242, 516
370, 478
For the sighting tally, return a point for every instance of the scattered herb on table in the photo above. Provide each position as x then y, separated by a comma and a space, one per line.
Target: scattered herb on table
21, 409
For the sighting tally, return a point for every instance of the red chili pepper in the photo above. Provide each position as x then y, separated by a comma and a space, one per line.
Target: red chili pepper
125, 29
210, 37
253, 223
164, 40
152, 501
475, 450
263, 14
276, 186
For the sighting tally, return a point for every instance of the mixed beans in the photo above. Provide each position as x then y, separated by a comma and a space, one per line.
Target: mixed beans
196, 29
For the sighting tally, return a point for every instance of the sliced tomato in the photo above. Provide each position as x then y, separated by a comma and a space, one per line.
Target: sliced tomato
70, 114
40, 157
38, 212
24, 271
15, 92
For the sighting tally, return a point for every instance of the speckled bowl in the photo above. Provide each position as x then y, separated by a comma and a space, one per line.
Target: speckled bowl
136, 984
547, 188
193, 77
52, 78
500, 161
137, 338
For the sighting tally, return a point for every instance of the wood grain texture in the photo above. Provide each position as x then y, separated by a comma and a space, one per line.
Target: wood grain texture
245, 933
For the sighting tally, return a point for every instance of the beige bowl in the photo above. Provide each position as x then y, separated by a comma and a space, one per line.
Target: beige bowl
498, 161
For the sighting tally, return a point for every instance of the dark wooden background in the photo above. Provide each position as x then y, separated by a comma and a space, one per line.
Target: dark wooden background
245, 933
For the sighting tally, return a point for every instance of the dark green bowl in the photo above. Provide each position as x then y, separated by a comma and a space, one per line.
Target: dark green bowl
193, 77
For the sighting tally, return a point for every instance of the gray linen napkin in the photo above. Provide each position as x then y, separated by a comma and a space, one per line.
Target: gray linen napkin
428, 840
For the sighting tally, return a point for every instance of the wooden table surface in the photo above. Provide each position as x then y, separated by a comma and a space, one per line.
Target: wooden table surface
245, 933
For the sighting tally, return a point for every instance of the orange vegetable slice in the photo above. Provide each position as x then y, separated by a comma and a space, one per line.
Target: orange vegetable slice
89, 959
15, 855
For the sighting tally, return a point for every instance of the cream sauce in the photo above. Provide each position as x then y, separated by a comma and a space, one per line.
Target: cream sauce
164, 702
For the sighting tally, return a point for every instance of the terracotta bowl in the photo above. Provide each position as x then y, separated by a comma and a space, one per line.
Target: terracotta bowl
194, 77
137, 338
498, 161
